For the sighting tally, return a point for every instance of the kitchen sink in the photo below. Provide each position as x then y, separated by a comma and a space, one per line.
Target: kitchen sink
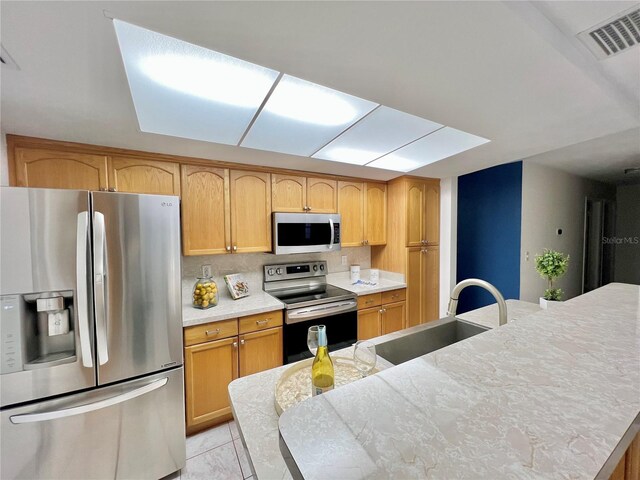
434, 336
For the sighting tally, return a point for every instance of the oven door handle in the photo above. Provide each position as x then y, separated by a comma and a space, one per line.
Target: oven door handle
296, 316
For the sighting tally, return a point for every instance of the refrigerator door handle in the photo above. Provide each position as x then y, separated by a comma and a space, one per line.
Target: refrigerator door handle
82, 239
100, 272
90, 407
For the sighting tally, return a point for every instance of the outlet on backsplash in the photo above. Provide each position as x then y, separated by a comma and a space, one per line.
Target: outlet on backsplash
343, 260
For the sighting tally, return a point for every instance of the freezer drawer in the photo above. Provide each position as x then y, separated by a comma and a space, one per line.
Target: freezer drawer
131, 430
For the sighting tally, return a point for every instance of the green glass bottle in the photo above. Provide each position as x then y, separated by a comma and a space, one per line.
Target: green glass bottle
322, 376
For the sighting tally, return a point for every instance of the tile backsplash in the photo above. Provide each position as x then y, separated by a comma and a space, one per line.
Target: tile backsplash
250, 264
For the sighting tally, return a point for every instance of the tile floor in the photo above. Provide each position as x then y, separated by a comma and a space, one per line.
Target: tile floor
216, 453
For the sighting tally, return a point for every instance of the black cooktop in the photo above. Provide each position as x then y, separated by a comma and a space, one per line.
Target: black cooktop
325, 294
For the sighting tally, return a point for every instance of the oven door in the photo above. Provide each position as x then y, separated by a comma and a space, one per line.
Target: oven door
340, 319
305, 232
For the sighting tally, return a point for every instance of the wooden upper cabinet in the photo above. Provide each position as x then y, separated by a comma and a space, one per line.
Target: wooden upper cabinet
415, 213
351, 208
260, 351
375, 215
206, 226
322, 195
432, 213
289, 193
137, 175
42, 168
250, 201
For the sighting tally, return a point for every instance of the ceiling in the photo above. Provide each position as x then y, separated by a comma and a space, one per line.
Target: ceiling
511, 72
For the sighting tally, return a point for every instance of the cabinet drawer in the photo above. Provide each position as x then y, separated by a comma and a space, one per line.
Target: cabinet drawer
394, 296
260, 321
210, 331
368, 301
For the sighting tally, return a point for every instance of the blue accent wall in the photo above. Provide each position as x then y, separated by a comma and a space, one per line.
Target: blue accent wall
489, 225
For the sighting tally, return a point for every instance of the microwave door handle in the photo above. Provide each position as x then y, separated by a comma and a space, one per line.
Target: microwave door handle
82, 238
332, 229
89, 407
99, 274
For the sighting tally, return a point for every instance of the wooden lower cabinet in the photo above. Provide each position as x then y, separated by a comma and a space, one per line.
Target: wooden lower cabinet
211, 365
379, 318
209, 368
368, 323
629, 466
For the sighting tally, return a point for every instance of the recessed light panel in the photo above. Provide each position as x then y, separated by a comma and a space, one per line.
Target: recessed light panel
184, 90
377, 134
440, 144
300, 117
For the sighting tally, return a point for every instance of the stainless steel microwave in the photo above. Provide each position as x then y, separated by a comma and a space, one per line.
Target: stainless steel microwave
305, 232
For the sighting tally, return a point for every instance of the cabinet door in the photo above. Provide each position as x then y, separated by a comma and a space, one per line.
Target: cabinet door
430, 284
209, 368
250, 211
322, 195
351, 208
206, 225
414, 282
415, 213
260, 351
392, 317
369, 323
40, 168
432, 213
137, 175
375, 207
289, 193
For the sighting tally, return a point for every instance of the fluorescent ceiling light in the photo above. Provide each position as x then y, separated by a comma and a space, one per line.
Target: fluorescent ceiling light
300, 117
377, 134
184, 90
438, 145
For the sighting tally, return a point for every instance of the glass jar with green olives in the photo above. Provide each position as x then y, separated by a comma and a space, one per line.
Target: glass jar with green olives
205, 293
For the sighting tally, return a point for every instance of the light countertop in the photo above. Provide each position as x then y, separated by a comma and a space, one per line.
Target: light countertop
253, 405
386, 281
548, 396
257, 302
488, 316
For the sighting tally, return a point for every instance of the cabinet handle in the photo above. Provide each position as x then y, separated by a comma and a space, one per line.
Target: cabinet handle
235, 248
235, 344
103, 189
308, 209
262, 322
212, 332
380, 311
242, 342
395, 296
113, 189
228, 248
367, 302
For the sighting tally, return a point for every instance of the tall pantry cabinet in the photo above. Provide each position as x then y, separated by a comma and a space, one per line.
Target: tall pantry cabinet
413, 244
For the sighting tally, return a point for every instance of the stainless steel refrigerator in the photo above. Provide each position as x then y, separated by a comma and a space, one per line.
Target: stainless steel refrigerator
91, 382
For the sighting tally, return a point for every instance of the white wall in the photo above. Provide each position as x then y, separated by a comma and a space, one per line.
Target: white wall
448, 239
553, 199
4, 162
627, 237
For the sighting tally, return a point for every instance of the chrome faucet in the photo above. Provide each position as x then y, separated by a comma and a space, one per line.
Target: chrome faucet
455, 293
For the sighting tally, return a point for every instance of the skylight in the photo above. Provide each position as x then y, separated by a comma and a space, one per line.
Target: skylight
185, 90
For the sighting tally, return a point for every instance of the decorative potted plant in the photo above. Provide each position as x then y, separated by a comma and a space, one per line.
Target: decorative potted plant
551, 265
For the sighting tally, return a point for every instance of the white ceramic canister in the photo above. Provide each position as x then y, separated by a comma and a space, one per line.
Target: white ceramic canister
374, 275
355, 273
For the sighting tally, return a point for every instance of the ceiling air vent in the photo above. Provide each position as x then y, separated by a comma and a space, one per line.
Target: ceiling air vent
614, 36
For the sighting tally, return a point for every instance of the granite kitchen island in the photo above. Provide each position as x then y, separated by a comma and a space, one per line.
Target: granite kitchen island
550, 395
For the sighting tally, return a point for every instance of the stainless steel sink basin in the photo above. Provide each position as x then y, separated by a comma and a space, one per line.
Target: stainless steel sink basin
434, 336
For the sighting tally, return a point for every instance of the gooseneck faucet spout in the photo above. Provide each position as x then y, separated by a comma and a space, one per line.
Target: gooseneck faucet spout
455, 293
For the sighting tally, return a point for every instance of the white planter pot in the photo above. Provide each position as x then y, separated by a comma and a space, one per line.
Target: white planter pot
544, 303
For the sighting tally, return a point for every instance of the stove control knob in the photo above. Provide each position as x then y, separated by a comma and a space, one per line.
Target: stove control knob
315, 268
321, 266
278, 271
270, 272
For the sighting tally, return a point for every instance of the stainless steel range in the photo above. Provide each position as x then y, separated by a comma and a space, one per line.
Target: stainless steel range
309, 301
